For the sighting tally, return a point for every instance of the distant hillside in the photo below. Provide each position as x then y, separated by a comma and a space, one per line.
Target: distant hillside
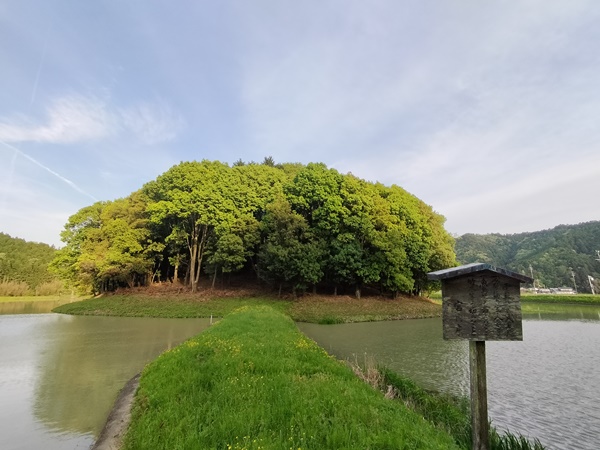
552, 254
24, 263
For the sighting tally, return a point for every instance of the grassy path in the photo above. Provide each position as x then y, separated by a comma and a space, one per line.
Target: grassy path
253, 381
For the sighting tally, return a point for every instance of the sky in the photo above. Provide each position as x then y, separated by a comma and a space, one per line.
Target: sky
487, 111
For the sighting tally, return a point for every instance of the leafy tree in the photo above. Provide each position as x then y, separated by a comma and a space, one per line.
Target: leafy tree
25, 262
288, 255
295, 226
107, 245
228, 255
269, 161
129, 255
72, 262
191, 199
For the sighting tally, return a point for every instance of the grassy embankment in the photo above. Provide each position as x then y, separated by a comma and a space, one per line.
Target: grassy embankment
314, 309
254, 381
579, 299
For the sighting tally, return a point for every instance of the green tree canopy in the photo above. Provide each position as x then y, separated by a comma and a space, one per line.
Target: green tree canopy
294, 226
25, 262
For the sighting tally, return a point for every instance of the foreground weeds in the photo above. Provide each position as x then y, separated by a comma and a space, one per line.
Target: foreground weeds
253, 381
447, 413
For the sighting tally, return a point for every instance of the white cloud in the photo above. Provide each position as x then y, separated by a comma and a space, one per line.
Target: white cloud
75, 118
70, 119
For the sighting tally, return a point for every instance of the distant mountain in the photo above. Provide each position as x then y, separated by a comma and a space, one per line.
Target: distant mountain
25, 262
554, 255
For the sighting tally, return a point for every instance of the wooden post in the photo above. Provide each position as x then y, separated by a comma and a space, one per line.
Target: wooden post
479, 409
480, 303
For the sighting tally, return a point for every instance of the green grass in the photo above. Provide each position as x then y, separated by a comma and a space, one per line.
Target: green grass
581, 299
305, 309
163, 306
328, 310
253, 381
450, 414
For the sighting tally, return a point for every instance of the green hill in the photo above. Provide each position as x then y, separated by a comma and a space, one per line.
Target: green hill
554, 255
24, 266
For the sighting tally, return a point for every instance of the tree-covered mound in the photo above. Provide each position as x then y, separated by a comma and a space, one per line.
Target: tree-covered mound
291, 226
24, 267
555, 256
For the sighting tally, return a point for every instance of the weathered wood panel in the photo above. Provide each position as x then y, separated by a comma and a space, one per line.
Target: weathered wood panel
483, 306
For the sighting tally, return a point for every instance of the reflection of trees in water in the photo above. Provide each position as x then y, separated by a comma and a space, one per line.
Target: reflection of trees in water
413, 348
33, 307
87, 360
546, 311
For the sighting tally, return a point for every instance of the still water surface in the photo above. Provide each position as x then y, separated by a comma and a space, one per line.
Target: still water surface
546, 386
59, 375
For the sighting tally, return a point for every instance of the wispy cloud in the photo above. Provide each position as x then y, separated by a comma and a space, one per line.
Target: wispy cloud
47, 169
152, 122
69, 119
75, 118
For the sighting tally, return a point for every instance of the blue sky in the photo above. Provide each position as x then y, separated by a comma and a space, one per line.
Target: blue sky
488, 111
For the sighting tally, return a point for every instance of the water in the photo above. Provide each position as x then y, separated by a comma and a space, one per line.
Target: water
32, 307
59, 375
544, 387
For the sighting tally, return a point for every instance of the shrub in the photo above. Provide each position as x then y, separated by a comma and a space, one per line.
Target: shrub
53, 287
13, 288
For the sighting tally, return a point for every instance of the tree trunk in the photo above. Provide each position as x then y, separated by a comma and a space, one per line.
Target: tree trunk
357, 292
335, 290
193, 247
200, 253
176, 274
214, 279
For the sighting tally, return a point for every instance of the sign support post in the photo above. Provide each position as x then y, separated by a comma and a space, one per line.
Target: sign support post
479, 408
480, 303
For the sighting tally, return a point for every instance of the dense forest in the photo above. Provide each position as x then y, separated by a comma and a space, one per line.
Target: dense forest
562, 256
24, 267
290, 226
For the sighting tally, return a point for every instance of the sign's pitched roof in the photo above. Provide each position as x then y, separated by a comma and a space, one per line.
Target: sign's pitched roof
474, 268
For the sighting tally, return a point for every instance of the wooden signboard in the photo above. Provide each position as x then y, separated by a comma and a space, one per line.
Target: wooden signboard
480, 303
482, 306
